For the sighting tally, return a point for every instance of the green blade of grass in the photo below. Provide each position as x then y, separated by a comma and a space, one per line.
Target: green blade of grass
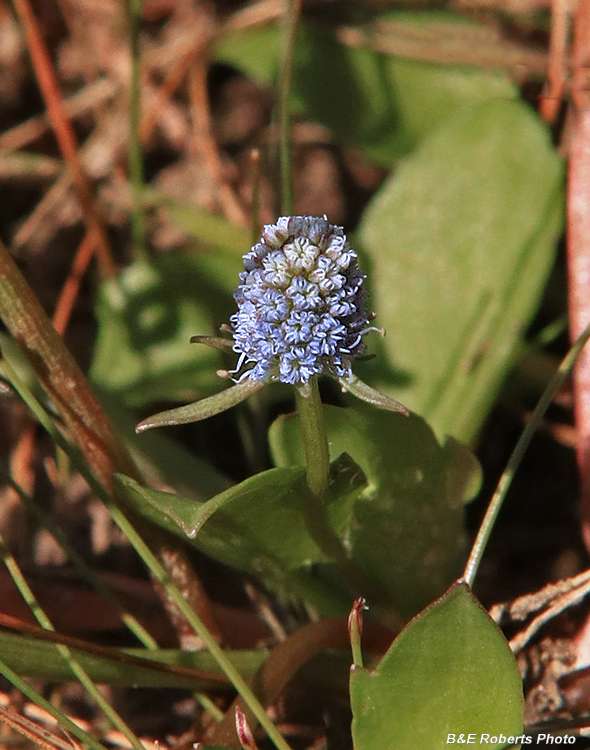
86, 571
516, 457
77, 670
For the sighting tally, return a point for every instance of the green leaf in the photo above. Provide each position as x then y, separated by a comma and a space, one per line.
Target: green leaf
383, 104
460, 242
204, 408
407, 528
245, 526
40, 659
364, 392
146, 318
449, 672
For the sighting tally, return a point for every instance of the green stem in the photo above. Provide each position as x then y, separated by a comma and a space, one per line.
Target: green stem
293, 9
85, 570
514, 461
315, 438
200, 629
82, 417
317, 460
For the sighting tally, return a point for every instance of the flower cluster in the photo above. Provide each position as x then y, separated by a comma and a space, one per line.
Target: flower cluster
301, 312
301, 303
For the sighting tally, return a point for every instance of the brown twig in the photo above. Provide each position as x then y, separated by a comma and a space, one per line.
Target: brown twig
21, 467
447, 44
286, 658
21, 459
48, 203
581, 57
174, 77
92, 95
205, 143
106, 652
71, 287
64, 133
553, 91
578, 240
36, 733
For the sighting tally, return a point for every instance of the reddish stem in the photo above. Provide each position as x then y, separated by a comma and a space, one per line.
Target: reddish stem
578, 238
69, 292
64, 132
554, 88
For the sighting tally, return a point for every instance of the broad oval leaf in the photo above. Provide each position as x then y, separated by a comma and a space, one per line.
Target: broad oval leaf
383, 103
449, 672
407, 528
461, 240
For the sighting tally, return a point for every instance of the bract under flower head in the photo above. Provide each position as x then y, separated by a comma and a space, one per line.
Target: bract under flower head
301, 303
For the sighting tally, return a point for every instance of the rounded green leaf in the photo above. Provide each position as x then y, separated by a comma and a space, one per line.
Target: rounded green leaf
407, 528
383, 103
449, 672
461, 240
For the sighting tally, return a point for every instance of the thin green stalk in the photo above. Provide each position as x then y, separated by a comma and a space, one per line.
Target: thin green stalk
64, 721
86, 571
77, 670
138, 229
317, 460
149, 558
83, 418
195, 622
290, 33
208, 705
514, 461
315, 438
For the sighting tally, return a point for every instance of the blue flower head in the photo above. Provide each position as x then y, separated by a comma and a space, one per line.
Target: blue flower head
301, 313
301, 303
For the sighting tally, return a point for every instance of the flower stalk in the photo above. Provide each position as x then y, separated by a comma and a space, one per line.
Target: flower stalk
317, 461
315, 438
